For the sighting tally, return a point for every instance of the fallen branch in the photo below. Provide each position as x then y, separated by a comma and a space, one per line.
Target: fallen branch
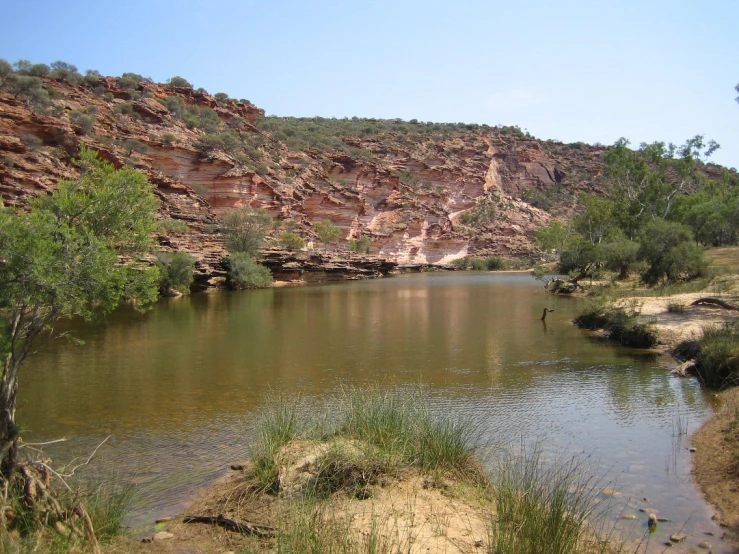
245, 528
714, 302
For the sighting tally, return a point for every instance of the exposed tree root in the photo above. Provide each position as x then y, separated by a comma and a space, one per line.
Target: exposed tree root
714, 302
37, 504
246, 528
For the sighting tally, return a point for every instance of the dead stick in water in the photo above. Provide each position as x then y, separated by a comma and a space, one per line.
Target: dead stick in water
544, 315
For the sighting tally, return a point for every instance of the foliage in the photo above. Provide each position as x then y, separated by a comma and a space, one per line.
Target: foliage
175, 104
717, 362
618, 323
481, 215
172, 226
290, 241
360, 245
178, 81
168, 139
176, 272
619, 254
486, 264
133, 145
328, 233
124, 108
552, 238
244, 273
669, 250
61, 259
245, 230
83, 120
63, 71
542, 508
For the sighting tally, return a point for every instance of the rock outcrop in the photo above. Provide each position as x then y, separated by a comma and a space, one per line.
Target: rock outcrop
422, 198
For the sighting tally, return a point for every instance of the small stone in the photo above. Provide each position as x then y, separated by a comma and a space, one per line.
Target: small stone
692, 449
668, 543
146, 539
652, 520
163, 536
237, 467
704, 545
678, 537
662, 519
628, 517
610, 492
163, 520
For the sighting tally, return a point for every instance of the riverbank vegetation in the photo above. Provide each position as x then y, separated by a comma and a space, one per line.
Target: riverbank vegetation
78, 252
381, 472
662, 209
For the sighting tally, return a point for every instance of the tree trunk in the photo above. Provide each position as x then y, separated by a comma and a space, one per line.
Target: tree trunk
8, 428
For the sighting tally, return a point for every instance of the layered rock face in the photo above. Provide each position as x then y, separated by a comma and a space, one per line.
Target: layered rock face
422, 198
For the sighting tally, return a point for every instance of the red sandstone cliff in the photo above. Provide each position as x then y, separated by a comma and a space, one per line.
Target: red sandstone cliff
422, 198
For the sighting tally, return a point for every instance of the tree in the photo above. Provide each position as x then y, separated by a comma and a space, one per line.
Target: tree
670, 251
552, 238
328, 233
245, 229
74, 253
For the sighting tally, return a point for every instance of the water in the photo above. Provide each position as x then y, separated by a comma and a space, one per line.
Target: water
177, 388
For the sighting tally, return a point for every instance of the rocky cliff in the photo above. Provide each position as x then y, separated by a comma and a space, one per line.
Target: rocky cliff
422, 193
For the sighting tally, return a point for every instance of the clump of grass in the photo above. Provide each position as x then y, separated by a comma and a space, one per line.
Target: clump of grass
276, 426
619, 324
717, 362
676, 308
542, 509
404, 430
108, 506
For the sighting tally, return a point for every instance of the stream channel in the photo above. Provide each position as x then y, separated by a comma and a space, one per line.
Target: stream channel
178, 387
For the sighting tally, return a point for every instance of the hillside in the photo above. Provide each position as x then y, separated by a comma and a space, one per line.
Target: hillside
422, 193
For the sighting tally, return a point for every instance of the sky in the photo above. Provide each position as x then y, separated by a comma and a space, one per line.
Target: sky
570, 70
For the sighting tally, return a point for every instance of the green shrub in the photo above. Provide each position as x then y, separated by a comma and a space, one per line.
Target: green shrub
291, 241
168, 139
92, 76
173, 226
133, 145
220, 97
244, 273
486, 264
130, 81
175, 104
669, 249
717, 362
108, 97
618, 324
245, 230
362, 244
178, 81
176, 272
123, 108
328, 233
82, 120
63, 71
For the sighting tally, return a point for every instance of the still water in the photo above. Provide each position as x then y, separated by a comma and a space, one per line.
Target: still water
178, 386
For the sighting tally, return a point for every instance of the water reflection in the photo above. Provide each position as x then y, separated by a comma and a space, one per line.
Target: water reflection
178, 385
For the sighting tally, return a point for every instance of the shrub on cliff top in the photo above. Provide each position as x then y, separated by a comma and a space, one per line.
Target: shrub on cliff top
178, 81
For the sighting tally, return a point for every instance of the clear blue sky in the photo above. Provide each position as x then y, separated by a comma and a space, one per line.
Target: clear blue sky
571, 70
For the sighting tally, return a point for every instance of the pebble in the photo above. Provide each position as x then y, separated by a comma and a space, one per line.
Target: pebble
163, 536
628, 517
652, 520
678, 537
163, 519
692, 449
610, 492
704, 545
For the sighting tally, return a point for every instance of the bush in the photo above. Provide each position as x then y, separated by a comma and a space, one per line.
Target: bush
618, 324
133, 145
291, 241
168, 139
717, 362
175, 104
220, 97
244, 273
176, 272
123, 109
173, 226
178, 81
63, 71
362, 244
32, 141
328, 233
82, 120
245, 229
487, 264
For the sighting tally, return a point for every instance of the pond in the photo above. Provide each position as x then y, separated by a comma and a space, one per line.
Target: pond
177, 388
